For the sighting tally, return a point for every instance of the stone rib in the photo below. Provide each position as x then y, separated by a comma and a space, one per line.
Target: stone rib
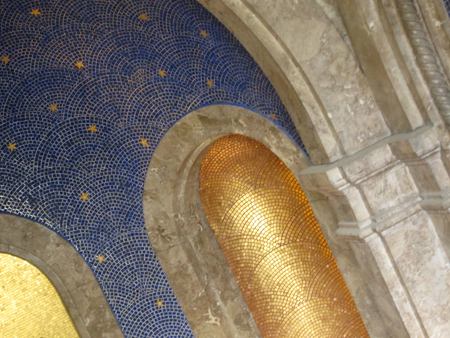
426, 58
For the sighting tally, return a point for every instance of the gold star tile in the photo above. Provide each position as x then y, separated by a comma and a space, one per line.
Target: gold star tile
101, 259
210, 83
143, 17
273, 117
162, 73
35, 12
5, 59
84, 197
144, 142
12, 146
159, 303
204, 33
79, 64
92, 128
53, 107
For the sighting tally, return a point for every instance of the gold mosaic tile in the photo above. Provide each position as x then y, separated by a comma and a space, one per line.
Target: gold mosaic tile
29, 304
273, 244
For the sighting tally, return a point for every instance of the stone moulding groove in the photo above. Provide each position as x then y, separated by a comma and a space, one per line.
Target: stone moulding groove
426, 58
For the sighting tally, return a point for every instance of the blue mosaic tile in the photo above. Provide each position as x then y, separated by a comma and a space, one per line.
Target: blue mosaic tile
69, 131
447, 6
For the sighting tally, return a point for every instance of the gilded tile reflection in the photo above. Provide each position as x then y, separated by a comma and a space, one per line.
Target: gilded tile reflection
273, 244
29, 304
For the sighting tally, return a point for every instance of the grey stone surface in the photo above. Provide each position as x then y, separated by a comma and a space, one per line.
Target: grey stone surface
95, 311
383, 198
306, 51
358, 201
181, 236
436, 20
424, 267
382, 64
66, 269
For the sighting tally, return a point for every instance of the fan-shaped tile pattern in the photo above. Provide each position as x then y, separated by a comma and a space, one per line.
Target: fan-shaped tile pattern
273, 244
88, 89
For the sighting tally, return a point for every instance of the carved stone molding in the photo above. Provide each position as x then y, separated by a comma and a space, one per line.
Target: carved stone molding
426, 58
384, 198
383, 184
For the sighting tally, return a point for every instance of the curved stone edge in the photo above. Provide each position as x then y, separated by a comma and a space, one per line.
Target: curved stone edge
66, 269
176, 224
185, 244
318, 80
437, 22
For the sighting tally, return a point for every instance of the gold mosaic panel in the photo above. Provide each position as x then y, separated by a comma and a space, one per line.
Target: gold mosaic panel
29, 304
273, 244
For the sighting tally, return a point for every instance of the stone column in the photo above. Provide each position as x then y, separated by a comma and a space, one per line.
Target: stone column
391, 205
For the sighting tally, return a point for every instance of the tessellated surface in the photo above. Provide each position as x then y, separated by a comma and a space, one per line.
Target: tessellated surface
273, 244
447, 5
30, 304
87, 90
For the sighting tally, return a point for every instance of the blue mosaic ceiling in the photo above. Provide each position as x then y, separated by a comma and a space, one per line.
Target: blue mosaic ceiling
87, 90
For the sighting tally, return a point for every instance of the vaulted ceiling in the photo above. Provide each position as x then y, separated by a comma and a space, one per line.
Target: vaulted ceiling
87, 90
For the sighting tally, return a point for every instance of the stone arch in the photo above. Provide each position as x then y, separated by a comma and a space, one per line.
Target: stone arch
66, 269
185, 244
319, 80
372, 121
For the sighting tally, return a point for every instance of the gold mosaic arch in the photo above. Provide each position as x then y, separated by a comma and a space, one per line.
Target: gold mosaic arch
273, 244
30, 306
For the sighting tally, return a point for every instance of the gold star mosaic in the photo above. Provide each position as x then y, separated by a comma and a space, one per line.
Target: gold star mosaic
12, 146
35, 12
92, 128
29, 304
274, 245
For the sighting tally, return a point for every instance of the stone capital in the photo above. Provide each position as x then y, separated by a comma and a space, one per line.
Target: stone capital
384, 184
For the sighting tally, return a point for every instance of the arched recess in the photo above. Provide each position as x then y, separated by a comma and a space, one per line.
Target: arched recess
273, 244
185, 244
66, 269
